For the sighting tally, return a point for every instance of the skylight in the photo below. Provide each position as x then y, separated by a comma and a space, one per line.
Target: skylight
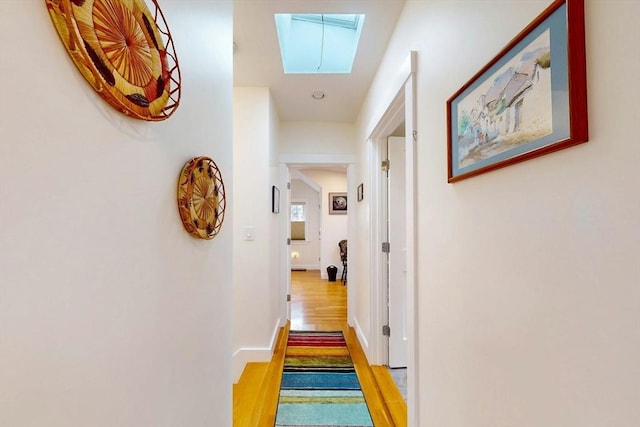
318, 43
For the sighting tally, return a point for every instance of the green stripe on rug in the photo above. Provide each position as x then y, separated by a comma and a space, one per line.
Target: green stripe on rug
324, 361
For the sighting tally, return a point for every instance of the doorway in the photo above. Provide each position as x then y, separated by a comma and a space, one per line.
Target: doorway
305, 222
326, 175
396, 251
399, 110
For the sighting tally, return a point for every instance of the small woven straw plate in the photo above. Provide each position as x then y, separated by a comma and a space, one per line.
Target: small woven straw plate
201, 198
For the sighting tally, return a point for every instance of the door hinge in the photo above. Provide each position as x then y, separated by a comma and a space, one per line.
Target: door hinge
288, 186
288, 241
386, 247
385, 165
288, 297
386, 331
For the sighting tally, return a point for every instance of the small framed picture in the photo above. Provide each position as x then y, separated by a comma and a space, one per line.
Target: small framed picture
337, 203
360, 192
275, 199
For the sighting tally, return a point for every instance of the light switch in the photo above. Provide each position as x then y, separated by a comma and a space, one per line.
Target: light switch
249, 233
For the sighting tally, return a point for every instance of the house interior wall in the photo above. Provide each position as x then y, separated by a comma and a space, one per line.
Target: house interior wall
527, 277
257, 293
111, 314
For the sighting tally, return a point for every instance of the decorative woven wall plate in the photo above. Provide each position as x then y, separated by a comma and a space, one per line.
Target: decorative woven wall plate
124, 51
201, 197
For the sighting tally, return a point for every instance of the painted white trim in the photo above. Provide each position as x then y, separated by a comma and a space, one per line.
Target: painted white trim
283, 235
413, 357
377, 299
316, 159
244, 355
306, 266
394, 86
361, 337
352, 269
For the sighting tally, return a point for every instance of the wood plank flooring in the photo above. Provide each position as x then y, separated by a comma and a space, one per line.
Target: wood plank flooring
316, 304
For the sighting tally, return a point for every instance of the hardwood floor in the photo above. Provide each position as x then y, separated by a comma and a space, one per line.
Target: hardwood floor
316, 304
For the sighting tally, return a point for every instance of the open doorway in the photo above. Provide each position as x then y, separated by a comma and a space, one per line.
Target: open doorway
395, 248
313, 233
390, 273
305, 221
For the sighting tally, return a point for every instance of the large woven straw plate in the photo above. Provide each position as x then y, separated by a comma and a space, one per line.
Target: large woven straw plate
124, 51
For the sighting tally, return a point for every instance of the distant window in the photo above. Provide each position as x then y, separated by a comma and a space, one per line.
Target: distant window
298, 212
298, 221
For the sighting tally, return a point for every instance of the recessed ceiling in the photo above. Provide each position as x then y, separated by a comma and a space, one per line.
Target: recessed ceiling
257, 61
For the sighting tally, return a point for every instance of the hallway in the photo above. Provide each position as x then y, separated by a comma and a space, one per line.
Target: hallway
316, 304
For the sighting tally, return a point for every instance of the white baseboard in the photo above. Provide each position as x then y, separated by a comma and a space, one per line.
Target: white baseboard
244, 355
364, 343
306, 266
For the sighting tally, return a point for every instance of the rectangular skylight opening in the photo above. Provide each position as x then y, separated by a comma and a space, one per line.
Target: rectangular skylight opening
318, 43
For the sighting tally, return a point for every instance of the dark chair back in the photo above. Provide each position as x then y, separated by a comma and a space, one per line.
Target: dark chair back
342, 244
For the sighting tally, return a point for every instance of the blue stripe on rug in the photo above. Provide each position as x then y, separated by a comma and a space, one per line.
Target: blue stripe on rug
342, 413
320, 381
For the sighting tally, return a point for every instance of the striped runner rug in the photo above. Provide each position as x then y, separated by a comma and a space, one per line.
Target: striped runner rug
319, 383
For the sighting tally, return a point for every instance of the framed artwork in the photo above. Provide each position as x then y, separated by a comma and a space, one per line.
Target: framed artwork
337, 203
360, 192
124, 51
530, 100
201, 198
275, 199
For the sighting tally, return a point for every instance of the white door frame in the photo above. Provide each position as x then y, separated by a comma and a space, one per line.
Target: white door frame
395, 218
400, 107
284, 234
285, 162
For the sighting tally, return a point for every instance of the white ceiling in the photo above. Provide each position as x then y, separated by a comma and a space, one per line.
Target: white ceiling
257, 59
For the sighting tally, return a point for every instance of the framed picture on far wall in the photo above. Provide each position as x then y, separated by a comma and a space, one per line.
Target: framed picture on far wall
337, 203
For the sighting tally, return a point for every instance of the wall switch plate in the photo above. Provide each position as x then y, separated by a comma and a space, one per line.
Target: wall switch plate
249, 233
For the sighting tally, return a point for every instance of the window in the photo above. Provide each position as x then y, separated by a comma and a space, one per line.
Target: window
298, 221
318, 43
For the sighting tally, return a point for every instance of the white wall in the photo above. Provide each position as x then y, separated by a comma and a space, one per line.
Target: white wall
528, 296
110, 313
317, 138
308, 251
256, 262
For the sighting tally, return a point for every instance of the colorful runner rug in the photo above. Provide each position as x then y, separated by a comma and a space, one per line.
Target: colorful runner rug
319, 383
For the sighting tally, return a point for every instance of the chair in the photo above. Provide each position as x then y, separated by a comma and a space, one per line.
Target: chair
342, 244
